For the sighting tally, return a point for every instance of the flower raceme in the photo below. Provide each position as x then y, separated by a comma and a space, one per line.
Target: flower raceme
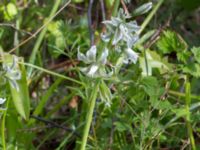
121, 34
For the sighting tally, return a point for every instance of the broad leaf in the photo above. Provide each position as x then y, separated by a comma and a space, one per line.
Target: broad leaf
19, 92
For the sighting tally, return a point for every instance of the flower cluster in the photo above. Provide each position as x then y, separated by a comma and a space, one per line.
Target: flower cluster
121, 34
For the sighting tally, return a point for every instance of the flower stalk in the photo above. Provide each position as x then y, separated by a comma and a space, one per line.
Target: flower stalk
92, 101
187, 106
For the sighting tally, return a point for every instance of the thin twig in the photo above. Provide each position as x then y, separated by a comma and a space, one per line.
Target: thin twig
53, 124
111, 136
90, 22
156, 35
77, 7
124, 7
103, 10
40, 29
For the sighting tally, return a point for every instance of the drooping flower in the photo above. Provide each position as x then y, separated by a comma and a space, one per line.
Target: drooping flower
2, 100
12, 72
130, 55
96, 66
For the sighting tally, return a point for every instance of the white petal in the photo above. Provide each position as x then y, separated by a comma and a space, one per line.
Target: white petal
123, 29
107, 104
2, 100
14, 74
81, 56
118, 49
116, 21
132, 39
91, 54
84, 69
107, 22
104, 55
132, 26
117, 37
133, 56
105, 37
93, 69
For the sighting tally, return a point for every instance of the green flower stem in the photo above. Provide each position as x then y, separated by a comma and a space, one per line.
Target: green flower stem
119, 64
3, 131
52, 73
150, 16
89, 115
146, 61
115, 7
3, 127
187, 106
143, 26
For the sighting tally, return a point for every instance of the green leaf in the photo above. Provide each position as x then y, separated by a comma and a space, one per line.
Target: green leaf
153, 61
105, 93
192, 69
171, 42
10, 11
180, 112
160, 104
183, 56
109, 3
56, 38
196, 52
150, 85
20, 95
121, 126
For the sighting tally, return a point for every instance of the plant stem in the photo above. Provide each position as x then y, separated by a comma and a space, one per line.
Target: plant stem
53, 73
89, 116
3, 127
187, 106
150, 16
146, 62
3, 132
115, 7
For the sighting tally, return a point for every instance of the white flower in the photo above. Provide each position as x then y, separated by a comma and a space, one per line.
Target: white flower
2, 100
90, 56
12, 72
96, 66
130, 55
143, 9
